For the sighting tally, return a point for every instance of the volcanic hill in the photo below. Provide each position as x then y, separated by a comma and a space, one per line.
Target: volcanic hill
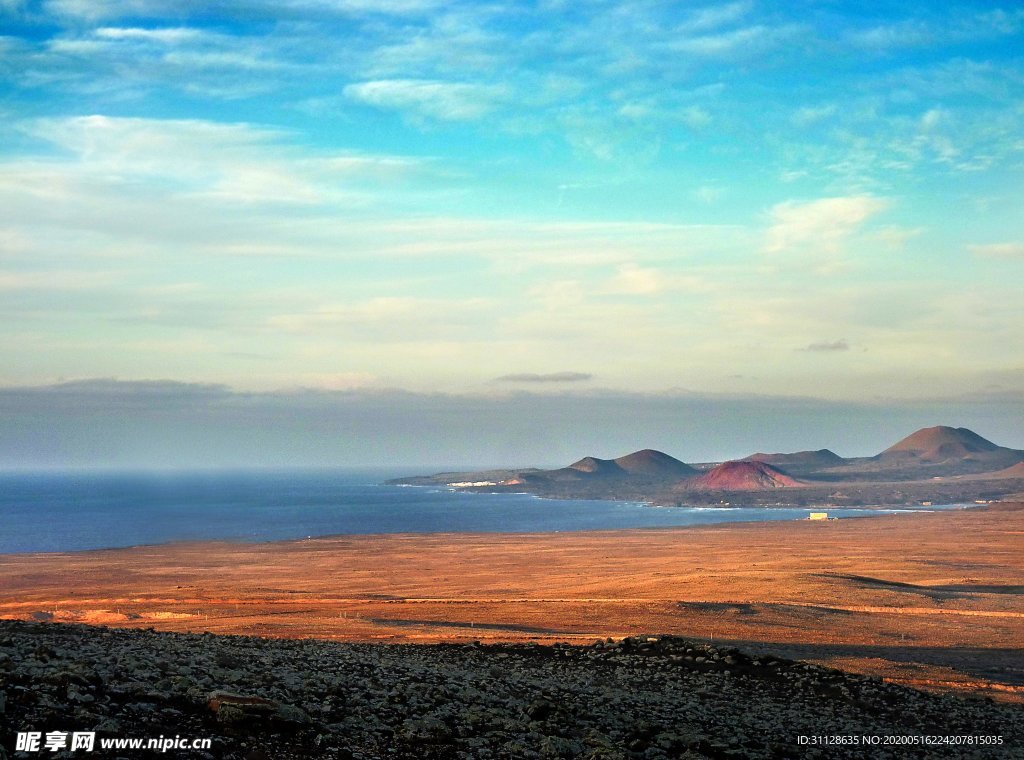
958, 449
1014, 471
646, 463
651, 463
595, 466
741, 476
939, 443
800, 460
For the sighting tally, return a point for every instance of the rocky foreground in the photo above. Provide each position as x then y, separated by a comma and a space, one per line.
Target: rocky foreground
642, 697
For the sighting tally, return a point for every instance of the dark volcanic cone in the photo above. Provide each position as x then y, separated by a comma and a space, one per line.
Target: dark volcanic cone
651, 463
595, 466
802, 460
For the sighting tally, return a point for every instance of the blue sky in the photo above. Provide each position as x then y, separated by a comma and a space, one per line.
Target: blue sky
475, 200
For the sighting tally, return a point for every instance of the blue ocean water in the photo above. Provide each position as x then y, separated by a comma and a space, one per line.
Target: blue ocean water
76, 511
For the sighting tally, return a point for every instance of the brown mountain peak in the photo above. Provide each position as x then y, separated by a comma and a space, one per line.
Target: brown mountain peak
800, 459
940, 443
651, 462
596, 466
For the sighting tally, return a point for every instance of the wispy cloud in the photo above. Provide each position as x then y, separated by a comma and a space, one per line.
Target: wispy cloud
387, 318
807, 115
168, 35
92, 11
55, 281
340, 175
634, 280
953, 25
550, 377
823, 224
445, 101
827, 346
1009, 250
743, 42
715, 16
239, 162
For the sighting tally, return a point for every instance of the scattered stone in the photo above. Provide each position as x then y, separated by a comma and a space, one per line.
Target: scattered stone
641, 697
539, 709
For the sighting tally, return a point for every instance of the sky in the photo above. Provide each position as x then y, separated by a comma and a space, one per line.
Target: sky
388, 231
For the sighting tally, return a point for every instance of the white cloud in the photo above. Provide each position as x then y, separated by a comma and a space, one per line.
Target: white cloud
446, 101
896, 237
134, 139
709, 194
822, 224
634, 280
392, 318
1010, 250
695, 117
234, 162
744, 42
716, 15
933, 118
898, 35
169, 35
812, 114
54, 280
93, 10
955, 27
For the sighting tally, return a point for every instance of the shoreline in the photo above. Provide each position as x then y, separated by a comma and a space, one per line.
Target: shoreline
873, 511
934, 600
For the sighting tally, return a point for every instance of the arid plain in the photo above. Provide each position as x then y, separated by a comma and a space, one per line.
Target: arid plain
929, 599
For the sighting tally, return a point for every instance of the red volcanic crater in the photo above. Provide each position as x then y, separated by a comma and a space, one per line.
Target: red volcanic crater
742, 476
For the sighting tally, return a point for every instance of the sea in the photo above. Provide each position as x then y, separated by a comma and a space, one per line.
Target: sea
74, 511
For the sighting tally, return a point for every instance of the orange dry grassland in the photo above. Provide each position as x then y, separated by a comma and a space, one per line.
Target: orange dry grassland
928, 599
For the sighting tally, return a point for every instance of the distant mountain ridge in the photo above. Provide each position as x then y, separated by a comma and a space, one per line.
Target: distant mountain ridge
928, 459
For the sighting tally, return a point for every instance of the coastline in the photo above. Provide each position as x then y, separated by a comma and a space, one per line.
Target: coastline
124, 511
935, 598
865, 511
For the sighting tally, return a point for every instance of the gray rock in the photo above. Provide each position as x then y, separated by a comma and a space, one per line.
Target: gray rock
428, 730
